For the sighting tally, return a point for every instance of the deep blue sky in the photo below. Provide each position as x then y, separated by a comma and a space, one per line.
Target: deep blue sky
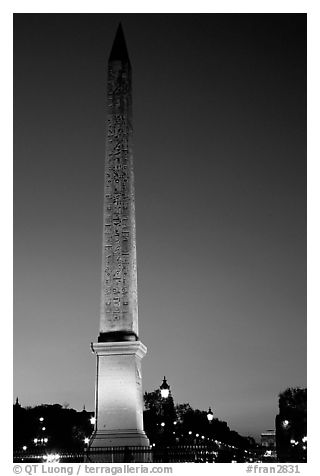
220, 171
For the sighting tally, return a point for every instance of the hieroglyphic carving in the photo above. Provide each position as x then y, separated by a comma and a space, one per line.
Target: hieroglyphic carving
119, 293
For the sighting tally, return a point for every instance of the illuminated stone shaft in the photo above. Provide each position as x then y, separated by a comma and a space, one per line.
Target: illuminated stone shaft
119, 305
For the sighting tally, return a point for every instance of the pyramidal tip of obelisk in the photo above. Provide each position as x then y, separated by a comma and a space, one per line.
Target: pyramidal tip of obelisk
119, 51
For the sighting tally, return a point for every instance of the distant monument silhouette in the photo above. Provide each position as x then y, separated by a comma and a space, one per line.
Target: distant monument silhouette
118, 395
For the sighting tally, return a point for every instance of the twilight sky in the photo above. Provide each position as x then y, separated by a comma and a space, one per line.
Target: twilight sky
219, 110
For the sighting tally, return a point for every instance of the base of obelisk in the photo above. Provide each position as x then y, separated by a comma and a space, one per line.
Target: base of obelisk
118, 435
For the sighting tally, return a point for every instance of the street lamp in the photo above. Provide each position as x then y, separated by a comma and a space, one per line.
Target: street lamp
210, 415
285, 423
167, 413
92, 420
164, 388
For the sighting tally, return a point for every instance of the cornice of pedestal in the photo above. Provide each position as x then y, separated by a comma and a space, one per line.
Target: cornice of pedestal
119, 348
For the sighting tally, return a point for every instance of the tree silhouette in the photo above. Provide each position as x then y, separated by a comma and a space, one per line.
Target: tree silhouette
291, 425
187, 426
52, 426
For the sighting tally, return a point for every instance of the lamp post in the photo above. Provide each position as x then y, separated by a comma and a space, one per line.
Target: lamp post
164, 388
210, 415
211, 429
285, 423
168, 413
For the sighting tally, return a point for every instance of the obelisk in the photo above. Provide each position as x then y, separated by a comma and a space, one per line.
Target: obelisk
118, 394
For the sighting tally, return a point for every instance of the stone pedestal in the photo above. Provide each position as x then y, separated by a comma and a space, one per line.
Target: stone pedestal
118, 399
